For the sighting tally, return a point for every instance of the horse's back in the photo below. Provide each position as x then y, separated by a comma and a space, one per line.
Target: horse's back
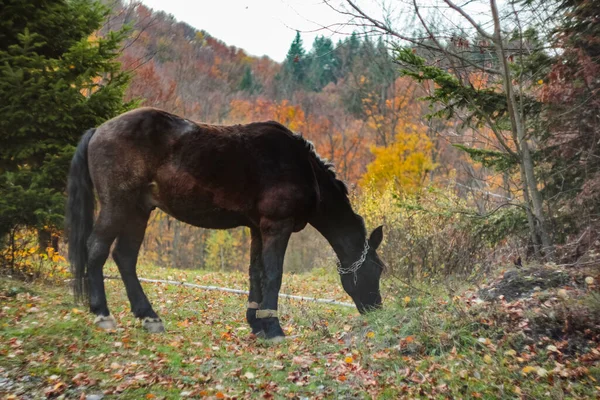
189, 169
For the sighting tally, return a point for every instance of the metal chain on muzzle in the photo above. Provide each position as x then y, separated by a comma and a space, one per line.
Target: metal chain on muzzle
355, 266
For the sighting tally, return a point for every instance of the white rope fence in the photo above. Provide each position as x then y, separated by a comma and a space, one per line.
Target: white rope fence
239, 291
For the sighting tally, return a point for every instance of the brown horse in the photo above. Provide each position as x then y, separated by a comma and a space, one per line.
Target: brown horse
259, 175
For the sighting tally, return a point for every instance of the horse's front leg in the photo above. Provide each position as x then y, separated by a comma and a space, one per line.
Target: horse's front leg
255, 297
275, 237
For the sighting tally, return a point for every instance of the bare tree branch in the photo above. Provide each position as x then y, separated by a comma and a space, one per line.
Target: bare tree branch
466, 16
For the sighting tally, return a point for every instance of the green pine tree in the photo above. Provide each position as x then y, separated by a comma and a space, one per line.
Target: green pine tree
56, 81
293, 73
346, 52
323, 64
248, 83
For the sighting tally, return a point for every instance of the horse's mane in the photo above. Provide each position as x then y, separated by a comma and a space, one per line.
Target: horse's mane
324, 164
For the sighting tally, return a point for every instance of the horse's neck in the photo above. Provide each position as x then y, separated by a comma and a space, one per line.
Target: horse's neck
343, 230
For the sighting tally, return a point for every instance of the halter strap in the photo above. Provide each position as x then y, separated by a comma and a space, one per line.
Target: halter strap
355, 266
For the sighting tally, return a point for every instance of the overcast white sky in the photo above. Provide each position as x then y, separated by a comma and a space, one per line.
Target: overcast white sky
260, 27
267, 27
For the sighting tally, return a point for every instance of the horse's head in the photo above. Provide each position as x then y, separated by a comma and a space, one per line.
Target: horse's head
361, 278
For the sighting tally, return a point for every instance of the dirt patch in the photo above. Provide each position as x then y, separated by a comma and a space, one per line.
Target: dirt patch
520, 283
549, 305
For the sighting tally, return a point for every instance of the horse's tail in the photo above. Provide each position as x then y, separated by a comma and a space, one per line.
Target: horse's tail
80, 216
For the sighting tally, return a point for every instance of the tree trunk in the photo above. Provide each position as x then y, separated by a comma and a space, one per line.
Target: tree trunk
176, 236
530, 217
46, 239
518, 128
536, 197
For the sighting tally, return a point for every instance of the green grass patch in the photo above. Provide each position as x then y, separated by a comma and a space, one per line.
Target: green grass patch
419, 346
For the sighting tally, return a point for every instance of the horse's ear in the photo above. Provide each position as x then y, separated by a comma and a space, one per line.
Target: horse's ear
376, 237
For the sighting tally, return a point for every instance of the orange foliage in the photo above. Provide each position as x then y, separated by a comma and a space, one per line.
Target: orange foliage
149, 85
390, 114
479, 79
283, 112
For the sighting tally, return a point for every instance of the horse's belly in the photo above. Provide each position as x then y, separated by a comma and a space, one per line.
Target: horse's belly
195, 206
210, 219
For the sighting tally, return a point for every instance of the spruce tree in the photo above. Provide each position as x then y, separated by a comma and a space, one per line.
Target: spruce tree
56, 81
346, 52
323, 64
248, 83
294, 66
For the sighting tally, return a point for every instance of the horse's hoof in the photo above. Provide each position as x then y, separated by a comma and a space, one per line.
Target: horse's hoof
272, 329
107, 323
260, 335
153, 325
276, 339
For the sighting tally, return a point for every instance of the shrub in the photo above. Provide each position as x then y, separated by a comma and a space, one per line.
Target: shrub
430, 234
20, 256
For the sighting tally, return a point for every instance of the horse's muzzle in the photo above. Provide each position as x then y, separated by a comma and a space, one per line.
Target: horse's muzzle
373, 305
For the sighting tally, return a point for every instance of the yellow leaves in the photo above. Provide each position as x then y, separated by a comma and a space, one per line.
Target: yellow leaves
405, 163
487, 359
528, 369
349, 360
53, 256
406, 300
29, 260
291, 113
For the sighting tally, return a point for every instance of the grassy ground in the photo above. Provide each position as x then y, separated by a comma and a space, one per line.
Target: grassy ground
422, 345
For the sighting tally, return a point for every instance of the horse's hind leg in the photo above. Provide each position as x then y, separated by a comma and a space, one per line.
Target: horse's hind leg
125, 255
105, 230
